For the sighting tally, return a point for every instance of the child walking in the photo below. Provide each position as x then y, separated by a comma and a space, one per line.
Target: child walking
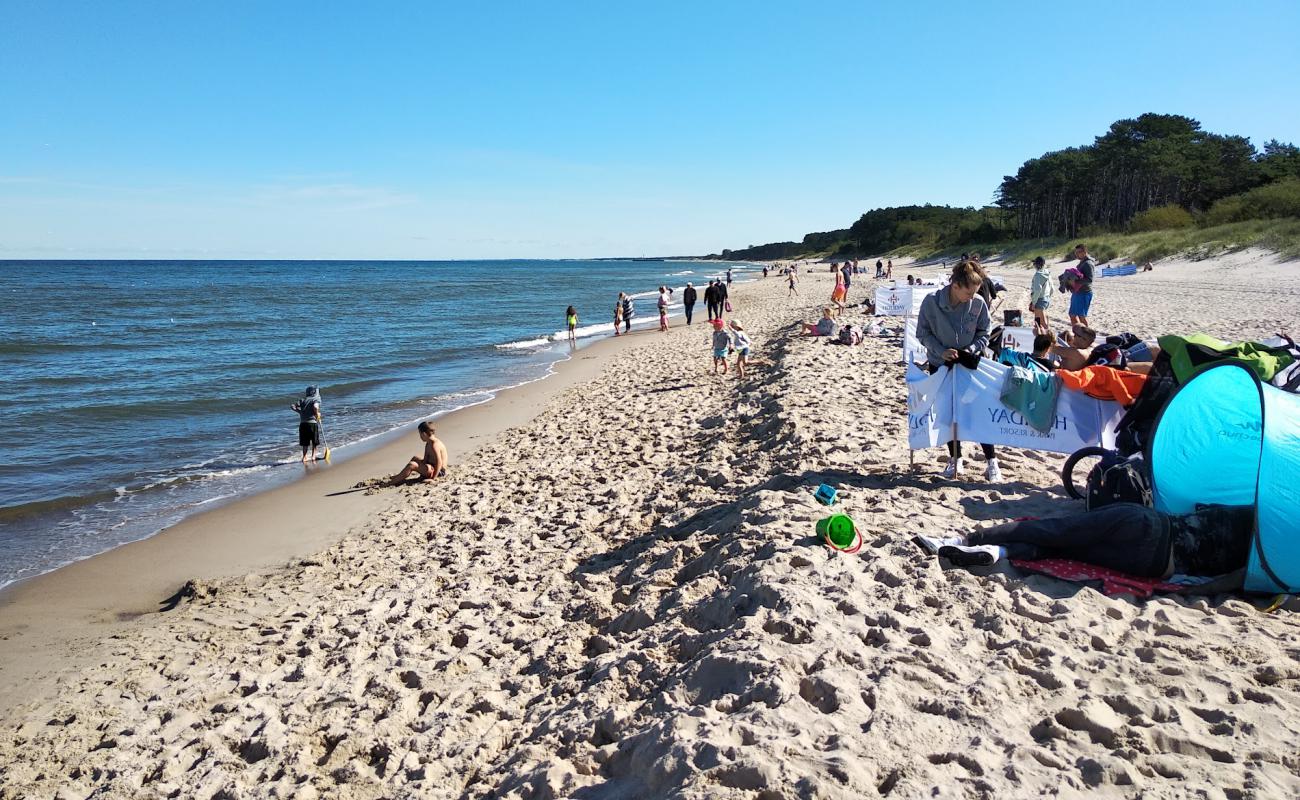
663, 308
721, 345
1040, 295
740, 340
571, 322
618, 315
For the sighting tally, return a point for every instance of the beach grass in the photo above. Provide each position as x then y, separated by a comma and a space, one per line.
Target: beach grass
1281, 236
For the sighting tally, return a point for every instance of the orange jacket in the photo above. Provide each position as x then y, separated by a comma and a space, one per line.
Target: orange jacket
1105, 383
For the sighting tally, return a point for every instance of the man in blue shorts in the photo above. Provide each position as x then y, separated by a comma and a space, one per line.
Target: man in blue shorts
1081, 299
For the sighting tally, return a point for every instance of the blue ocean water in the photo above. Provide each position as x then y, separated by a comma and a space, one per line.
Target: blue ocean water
137, 392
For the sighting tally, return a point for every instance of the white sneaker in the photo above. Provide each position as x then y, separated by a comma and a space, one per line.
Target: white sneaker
953, 469
992, 472
973, 555
932, 544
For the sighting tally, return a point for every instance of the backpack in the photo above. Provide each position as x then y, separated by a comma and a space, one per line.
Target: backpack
846, 334
1108, 355
1118, 480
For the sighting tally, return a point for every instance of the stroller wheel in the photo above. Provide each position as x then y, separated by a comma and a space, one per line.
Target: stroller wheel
1067, 471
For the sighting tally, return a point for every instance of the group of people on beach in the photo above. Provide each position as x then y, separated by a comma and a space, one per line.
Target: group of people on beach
715, 300
428, 466
954, 323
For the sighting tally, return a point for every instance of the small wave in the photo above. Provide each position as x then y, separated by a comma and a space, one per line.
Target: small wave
526, 344
683, 272
13, 513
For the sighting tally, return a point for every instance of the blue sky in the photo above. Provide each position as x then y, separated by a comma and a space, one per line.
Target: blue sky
529, 129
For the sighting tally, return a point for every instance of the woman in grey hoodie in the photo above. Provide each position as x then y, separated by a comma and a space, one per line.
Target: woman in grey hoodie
953, 322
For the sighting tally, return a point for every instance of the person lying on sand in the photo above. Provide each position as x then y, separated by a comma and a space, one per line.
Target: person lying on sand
1075, 350
1126, 537
434, 463
1073, 346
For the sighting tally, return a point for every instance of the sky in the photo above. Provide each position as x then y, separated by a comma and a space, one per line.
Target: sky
439, 130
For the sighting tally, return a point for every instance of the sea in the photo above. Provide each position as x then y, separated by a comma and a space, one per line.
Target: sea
136, 393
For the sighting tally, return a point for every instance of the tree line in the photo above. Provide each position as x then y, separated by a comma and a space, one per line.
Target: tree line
1153, 163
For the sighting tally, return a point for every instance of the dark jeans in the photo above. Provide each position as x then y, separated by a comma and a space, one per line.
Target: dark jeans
627, 324
954, 450
713, 310
1127, 537
690, 307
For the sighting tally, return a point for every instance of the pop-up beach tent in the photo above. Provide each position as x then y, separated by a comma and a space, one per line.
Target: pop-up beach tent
1225, 437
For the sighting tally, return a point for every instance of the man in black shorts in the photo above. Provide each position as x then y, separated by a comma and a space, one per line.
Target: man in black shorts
308, 408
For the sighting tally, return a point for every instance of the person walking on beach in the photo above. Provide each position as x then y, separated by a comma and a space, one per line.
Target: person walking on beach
618, 314
711, 299
728, 275
1081, 297
721, 346
839, 293
571, 323
628, 311
793, 275
1040, 294
688, 301
309, 419
663, 308
847, 272
952, 324
432, 465
889, 270
880, 268
740, 341
723, 303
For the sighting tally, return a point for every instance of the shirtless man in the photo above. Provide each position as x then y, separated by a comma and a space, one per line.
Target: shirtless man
1077, 351
1074, 346
432, 465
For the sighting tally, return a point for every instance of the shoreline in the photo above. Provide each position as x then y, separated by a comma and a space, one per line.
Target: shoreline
89, 598
157, 512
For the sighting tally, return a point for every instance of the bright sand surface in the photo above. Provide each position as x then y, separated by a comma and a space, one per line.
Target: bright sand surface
617, 594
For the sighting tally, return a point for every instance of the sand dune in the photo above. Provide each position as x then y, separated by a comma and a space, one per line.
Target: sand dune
624, 598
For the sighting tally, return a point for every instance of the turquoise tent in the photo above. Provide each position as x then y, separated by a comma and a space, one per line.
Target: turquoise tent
1225, 437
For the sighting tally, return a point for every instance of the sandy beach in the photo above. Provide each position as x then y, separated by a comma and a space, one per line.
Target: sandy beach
617, 593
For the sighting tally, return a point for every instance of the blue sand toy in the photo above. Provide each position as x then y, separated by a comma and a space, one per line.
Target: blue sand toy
825, 494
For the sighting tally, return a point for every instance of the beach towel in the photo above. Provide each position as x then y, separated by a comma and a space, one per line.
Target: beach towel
1015, 358
1189, 354
1032, 392
1112, 582
1105, 383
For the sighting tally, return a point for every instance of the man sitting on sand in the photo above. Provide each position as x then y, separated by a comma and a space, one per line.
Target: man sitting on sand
434, 463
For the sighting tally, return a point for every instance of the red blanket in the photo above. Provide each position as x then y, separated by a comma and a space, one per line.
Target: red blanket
1112, 582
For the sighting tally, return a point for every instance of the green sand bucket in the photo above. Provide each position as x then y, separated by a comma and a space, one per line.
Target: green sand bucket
839, 532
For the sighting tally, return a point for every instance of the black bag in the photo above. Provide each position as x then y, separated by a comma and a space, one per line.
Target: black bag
1118, 480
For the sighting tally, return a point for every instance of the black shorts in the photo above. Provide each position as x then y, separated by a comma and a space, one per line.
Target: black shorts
308, 434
